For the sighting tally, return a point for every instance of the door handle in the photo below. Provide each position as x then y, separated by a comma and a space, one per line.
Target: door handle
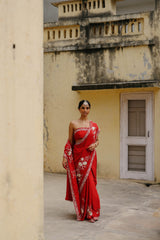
148, 133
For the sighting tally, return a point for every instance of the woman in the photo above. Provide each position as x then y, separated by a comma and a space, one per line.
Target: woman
80, 160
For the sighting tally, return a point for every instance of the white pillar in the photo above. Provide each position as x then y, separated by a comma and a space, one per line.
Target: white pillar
21, 120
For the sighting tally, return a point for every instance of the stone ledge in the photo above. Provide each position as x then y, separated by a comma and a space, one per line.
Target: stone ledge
118, 85
87, 20
77, 47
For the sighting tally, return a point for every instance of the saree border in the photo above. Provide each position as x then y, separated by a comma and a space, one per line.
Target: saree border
86, 135
71, 185
88, 171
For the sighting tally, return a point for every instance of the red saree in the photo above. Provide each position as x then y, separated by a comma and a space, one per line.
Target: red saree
81, 173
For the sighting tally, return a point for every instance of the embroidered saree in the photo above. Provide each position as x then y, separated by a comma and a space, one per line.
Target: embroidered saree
81, 173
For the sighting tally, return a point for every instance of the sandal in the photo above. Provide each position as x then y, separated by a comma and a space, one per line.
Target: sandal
91, 220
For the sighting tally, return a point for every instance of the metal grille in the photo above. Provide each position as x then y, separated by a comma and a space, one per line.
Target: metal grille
136, 118
136, 158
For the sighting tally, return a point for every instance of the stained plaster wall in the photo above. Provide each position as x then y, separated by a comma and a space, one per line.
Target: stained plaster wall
105, 111
66, 68
122, 64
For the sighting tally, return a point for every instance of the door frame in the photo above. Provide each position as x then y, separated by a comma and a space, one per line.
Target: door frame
124, 173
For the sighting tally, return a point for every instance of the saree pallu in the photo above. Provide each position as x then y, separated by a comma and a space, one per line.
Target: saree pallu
81, 173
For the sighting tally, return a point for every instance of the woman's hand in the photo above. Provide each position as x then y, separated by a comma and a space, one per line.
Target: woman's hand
64, 163
93, 145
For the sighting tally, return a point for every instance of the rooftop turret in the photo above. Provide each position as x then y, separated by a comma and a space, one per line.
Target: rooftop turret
85, 8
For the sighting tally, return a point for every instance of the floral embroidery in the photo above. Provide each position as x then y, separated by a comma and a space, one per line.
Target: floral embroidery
81, 166
89, 212
69, 153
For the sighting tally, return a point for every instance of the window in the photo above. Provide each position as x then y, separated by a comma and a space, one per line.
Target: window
119, 29
103, 3
70, 33
72, 7
53, 34
100, 30
89, 5
98, 3
64, 9
112, 27
107, 29
64, 33
85, 5
94, 30
139, 27
68, 7
75, 7
76, 33
59, 34
48, 35
94, 4
80, 7
132, 27
126, 28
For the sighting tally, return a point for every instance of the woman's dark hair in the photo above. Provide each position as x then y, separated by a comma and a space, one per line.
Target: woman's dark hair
81, 103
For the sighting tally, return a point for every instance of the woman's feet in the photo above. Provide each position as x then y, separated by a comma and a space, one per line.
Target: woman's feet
92, 220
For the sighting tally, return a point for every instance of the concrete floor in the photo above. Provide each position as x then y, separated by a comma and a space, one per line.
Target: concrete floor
129, 211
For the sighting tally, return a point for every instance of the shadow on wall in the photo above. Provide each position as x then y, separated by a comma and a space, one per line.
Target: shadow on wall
126, 6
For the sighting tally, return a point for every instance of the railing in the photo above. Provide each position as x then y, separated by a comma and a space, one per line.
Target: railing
114, 28
77, 7
74, 9
126, 30
65, 33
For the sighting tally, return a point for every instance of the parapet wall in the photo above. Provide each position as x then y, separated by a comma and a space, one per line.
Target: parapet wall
84, 8
102, 44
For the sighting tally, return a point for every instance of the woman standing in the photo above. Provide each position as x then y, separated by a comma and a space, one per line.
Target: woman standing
80, 160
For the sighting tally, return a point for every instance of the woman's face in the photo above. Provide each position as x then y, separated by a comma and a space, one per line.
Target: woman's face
84, 110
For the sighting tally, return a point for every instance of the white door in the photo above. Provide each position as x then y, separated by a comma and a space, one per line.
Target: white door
136, 146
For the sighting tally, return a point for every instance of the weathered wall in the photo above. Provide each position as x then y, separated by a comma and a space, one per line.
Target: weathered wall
114, 64
95, 60
116, 48
21, 120
105, 111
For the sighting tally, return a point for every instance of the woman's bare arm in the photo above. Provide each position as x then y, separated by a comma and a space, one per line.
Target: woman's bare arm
71, 130
70, 138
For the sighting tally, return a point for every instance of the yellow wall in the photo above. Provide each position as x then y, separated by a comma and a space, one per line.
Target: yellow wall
21, 120
106, 113
61, 107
